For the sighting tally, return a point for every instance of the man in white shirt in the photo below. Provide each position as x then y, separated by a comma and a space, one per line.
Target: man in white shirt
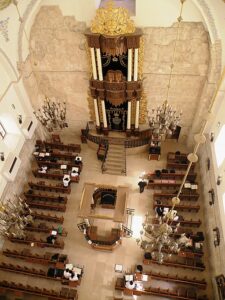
74, 277
67, 274
130, 285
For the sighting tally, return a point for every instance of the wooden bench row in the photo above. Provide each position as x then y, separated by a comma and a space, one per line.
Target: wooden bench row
58, 145
41, 185
179, 207
188, 223
43, 259
180, 294
44, 205
45, 197
163, 184
169, 175
42, 227
179, 262
177, 279
57, 165
63, 294
58, 175
47, 217
191, 196
36, 273
28, 240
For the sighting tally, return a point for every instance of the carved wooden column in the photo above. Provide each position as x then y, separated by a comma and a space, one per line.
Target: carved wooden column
129, 65
99, 62
135, 64
137, 115
93, 63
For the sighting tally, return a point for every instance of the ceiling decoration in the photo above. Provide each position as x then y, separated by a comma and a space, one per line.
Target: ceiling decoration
4, 3
112, 20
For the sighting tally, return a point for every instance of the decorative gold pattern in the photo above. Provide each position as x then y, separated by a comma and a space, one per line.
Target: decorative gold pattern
143, 109
91, 107
112, 20
4, 3
141, 58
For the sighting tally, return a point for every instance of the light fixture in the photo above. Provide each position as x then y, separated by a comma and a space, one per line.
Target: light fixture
14, 217
20, 119
2, 156
212, 136
164, 119
52, 114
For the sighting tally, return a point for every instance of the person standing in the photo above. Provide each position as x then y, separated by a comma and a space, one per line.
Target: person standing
142, 184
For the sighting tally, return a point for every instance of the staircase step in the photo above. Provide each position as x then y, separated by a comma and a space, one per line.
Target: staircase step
112, 166
115, 173
115, 162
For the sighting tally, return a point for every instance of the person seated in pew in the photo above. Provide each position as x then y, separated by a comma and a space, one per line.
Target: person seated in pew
185, 240
66, 180
74, 172
51, 239
130, 285
67, 274
78, 159
43, 169
159, 211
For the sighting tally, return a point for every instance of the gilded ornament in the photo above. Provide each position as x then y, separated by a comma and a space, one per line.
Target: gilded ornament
4, 3
112, 20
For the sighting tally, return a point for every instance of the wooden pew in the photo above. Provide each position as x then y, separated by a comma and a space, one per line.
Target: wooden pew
42, 227
177, 279
60, 146
179, 207
45, 197
175, 176
63, 294
35, 272
188, 223
179, 262
58, 164
44, 156
43, 259
47, 217
37, 242
41, 185
45, 205
57, 175
169, 195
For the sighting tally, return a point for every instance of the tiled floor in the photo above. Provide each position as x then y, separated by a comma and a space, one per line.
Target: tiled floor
99, 275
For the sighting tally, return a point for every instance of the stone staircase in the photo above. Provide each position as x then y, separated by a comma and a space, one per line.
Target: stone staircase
115, 162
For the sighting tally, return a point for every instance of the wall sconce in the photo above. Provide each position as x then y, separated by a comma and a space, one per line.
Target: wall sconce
212, 136
216, 233
2, 156
20, 119
208, 163
212, 194
219, 179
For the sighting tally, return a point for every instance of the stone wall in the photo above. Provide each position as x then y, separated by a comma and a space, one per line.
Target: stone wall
60, 66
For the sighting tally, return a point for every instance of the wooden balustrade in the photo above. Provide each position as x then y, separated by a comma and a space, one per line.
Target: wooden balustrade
47, 217
41, 185
44, 205
179, 262
45, 197
63, 294
179, 207
57, 175
178, 166
183, 196
37, 242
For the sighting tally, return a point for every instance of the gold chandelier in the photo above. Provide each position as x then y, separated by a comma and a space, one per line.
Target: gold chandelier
15, 215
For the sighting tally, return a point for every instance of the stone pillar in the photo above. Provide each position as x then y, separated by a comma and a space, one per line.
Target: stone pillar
99, 63
137, 115
129, 65
135, 64
93, 63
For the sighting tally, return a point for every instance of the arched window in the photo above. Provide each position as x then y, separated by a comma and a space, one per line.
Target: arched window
220, 147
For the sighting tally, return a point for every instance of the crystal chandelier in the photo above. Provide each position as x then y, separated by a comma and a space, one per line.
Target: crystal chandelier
52, 114
162, 239
14, 217
164, 119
